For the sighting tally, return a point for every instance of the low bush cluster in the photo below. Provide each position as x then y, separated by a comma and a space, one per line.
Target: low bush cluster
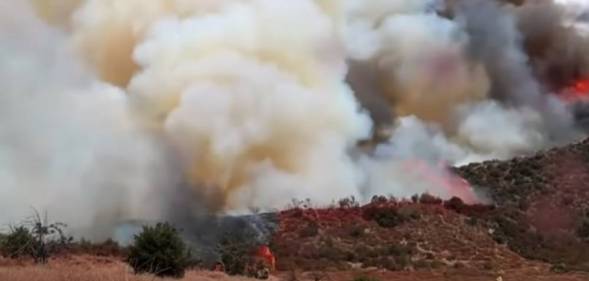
107, 248
385, 216
159, 250
18, 243
36, 238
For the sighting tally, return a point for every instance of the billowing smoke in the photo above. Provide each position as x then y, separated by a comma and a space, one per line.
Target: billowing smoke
558, 53
419, 56
68, 142
166, 109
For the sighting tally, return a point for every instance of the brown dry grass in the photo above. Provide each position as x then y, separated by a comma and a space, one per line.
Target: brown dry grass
88, 268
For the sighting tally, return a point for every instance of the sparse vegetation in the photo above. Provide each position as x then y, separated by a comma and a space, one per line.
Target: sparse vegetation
386, 216
312, 229
36, 238
49, 238
526, 192
349, 202
159, 250
107, 248
18, 243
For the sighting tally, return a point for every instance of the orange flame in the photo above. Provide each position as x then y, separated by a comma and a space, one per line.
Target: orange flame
266, 255
577, 91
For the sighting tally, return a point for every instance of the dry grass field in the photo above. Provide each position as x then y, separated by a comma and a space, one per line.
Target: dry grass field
90, 268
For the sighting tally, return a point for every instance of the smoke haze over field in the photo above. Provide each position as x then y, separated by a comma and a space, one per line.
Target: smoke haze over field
115, 110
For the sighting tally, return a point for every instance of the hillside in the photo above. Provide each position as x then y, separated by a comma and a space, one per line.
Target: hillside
542, 202
539, 219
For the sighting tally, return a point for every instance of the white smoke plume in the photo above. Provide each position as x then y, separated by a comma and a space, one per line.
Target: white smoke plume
119, 109
69, 144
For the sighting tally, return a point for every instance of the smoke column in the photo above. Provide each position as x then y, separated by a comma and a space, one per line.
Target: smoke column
119, 110
68, 143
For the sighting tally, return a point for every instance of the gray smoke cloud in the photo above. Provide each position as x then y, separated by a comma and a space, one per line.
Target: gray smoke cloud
499, 44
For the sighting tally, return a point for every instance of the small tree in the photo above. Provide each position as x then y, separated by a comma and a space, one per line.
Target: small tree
235, 250
18, 243
35, 237
48, 237
159, 250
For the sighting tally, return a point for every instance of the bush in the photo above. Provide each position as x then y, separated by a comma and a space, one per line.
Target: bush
159, 250
36, 238
107, 248
455, 204
348, 203
235, 250
385, 217
18, 243
429, 199
48, 238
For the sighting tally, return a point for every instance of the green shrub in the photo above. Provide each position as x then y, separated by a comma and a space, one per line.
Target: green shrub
388, 217
18, 243
159, 250
36, 238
